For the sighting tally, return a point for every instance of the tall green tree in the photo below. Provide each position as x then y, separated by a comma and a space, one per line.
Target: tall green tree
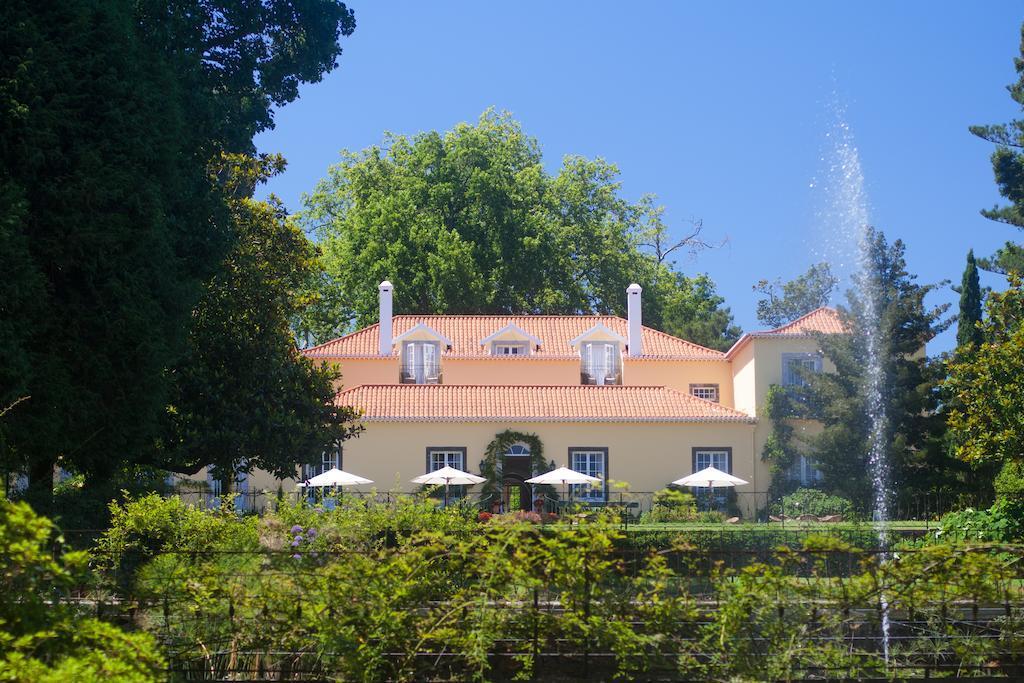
986, 382
110, 113
787, 301
1008, 167
693, 310
968, 330
243, 397
101, 248
887, 304
469, 221
238, 60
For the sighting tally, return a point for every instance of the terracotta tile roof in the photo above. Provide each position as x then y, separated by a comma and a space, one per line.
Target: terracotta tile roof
555, 331
822, 320
482, 403
825, 320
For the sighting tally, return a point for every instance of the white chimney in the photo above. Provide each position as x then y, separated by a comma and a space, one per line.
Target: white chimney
636, 345
384, 329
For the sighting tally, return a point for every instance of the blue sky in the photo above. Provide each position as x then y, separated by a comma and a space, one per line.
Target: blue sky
721, 109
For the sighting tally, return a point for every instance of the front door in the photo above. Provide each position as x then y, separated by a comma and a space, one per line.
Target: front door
513, 496
515, 492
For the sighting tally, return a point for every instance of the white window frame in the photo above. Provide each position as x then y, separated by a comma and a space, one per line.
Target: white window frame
510, 348
422, 362
328, 459
606, 367
216, 489
592, 461
807, 361
518, 450
450, 456
711, 391
719, 457
446, 456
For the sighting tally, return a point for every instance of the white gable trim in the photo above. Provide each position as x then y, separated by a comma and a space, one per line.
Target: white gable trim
511, 327
598, 328
422, 327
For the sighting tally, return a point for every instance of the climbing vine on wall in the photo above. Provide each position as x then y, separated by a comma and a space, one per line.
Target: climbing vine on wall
490, 466
779, 451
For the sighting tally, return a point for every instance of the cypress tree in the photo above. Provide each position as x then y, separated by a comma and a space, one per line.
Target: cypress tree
968, 332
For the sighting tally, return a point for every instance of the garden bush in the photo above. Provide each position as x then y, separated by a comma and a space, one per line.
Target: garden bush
1001, 523
44, 638
368, 592
671, 505
1009, 488
813, 502
321, 592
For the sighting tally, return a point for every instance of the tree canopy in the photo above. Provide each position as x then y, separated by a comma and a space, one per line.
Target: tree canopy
1008, 167
243, 397
986, 382
787, 301
110, 114
470, 222
887, 303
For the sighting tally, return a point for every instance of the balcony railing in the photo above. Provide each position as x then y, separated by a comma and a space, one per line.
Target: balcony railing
610, 377
420, 374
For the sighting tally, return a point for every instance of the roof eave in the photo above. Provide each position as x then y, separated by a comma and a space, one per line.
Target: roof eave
520, 418
511, 327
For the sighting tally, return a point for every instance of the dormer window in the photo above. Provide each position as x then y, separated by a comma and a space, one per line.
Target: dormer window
600, 355
601, 363
420, 352
510, 348
510, 340
421, 362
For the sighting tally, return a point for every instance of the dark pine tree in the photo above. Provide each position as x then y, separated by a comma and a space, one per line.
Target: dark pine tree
968, 331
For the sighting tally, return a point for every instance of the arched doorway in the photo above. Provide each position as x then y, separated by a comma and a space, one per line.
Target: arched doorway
515, 470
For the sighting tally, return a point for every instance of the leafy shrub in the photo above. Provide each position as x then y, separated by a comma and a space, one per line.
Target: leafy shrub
1001, 523
711, 517
43, 638
151, 524
358, 608
528, 516
1009, 483
671, 505
813, 502
83, 505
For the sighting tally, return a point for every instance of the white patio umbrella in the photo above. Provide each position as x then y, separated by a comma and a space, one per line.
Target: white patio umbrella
448, 476
565, 477
335, 477
712, 478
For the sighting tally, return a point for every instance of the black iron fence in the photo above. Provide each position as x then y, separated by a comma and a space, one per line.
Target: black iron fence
739, 507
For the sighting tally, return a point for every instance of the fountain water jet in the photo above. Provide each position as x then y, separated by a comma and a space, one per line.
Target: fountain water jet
848, 212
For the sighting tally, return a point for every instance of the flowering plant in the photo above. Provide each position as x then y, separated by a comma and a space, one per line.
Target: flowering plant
301, 538
528, 516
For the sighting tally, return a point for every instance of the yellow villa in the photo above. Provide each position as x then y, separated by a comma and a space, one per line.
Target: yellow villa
602, 395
